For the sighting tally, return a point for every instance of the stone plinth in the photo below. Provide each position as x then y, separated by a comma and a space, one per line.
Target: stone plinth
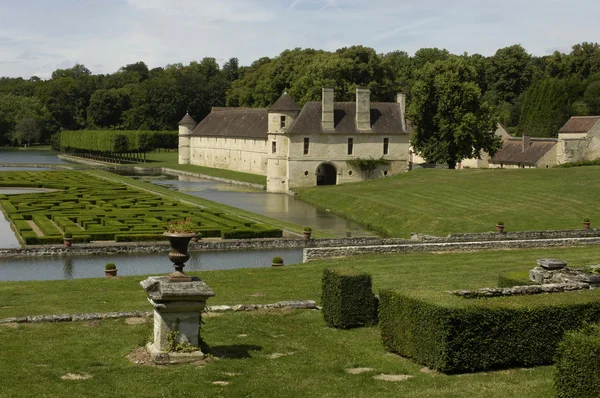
551, 263
177, 311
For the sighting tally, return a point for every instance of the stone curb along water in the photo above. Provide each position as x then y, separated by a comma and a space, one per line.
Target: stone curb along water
294, 305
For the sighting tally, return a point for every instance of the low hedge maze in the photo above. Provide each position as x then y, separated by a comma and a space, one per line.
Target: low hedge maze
94, 209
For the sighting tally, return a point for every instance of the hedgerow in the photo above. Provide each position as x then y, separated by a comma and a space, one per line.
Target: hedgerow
104, 210
451, 334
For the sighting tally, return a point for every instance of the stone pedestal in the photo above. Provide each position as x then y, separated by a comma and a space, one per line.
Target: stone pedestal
177, 312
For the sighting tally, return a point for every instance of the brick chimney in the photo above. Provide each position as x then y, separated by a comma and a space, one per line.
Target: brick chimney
363, 108
401, 100
526, 142
327, 121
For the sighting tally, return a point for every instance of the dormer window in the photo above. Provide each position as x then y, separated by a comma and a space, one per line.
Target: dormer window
282, 122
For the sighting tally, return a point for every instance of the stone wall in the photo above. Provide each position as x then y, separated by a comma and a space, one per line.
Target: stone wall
525, 235
312, 254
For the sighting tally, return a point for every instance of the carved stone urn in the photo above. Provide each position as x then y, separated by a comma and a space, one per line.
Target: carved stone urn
179, 254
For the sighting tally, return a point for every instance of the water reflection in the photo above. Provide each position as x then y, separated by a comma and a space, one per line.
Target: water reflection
71, 267
278, 206
29, 156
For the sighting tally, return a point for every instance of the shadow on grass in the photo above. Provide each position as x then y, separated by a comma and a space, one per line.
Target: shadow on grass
232, 351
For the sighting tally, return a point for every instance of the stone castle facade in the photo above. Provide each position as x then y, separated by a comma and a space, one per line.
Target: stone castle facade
300, 147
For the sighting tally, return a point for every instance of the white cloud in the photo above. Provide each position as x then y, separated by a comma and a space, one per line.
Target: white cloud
38, 36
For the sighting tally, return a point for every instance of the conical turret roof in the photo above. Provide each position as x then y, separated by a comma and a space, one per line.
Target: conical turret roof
284, 103
187, 120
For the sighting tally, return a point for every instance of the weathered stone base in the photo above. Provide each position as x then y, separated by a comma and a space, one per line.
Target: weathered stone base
173, 358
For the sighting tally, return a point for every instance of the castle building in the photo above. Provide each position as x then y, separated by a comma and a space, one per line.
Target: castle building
300, 147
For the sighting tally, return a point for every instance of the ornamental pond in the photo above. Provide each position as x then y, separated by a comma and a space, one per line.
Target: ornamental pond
277, 206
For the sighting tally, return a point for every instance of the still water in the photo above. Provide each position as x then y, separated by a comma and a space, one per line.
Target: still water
29, 156
278, 206
71, 267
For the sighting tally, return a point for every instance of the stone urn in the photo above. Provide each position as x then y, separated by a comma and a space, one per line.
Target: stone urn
179, 254
68, 242
307, 234
500, 228
586, 225
110, 272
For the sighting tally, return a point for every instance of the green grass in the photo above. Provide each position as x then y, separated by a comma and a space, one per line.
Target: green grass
170, 160
454, 201
42, 353
35, 356
419, 273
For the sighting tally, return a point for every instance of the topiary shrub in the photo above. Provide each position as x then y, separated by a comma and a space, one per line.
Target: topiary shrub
454, 335
578, 364
348, 299
110, 266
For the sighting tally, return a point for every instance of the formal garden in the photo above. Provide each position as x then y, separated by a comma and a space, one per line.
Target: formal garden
428, 342
93, 206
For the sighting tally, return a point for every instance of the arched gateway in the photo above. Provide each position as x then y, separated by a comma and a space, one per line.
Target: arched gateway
326, 174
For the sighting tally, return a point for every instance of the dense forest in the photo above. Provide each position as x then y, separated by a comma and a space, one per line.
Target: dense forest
529, 94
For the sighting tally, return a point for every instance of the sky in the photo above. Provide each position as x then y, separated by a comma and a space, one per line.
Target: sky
40, 36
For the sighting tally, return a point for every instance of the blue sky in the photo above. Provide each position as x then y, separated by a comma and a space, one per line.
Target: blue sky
39, 36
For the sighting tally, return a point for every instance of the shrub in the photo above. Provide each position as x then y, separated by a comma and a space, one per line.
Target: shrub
277, 260
452, 335
586, 220
245, 233
578, 364
110, 266
348, 299
148, 237
500, 223
68, 235
307, 229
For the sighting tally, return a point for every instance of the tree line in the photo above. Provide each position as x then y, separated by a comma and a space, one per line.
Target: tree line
529, 94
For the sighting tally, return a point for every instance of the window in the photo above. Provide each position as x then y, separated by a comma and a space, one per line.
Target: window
306, 144
350, 146
282, 122
386, 146
273, 147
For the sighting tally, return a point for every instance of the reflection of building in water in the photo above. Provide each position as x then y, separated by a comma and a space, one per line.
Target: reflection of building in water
68, 268
300, 147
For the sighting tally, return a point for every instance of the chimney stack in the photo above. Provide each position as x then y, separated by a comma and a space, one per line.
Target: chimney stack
363, 109
327, 109
526, 142
401, 100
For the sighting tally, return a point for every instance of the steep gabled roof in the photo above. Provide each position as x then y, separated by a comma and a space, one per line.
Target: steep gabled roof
187, 120
512, 151
285, 103
234, 122
579, 124
385, 119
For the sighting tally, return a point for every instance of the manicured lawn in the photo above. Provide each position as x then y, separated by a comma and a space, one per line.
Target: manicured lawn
170, 160
313, 364
315, 357
453, 201
417, 272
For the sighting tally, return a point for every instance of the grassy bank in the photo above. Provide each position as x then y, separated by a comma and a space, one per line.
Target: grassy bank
414, 271
452, 201
264, 353
170, 160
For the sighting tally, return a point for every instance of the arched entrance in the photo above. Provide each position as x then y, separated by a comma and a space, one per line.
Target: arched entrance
326, 174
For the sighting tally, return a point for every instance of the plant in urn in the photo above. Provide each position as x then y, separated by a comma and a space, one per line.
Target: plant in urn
179, 234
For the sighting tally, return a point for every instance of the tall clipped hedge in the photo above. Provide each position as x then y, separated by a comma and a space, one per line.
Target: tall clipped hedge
453, 336
348, 299
578, 364
117, 141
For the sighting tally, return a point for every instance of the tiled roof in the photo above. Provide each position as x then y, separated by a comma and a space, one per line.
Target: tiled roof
512, 151
285, 103
579, 124
385, 119
234, 122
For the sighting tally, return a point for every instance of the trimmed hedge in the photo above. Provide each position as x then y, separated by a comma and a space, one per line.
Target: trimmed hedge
578, 364
244, 233
455, 335
347, 298
139, 237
